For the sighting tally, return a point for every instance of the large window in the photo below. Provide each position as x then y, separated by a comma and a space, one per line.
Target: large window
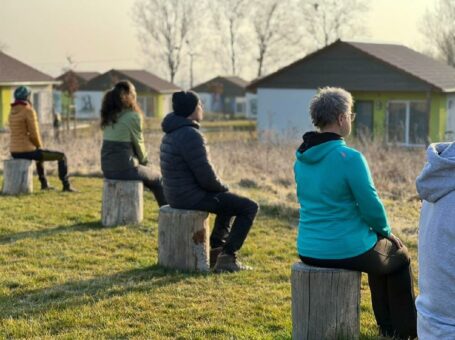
407, 122
364, 118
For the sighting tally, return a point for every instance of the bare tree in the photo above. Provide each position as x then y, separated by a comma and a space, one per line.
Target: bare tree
163, 27
328, 20
228, 18
274, 29
438, 26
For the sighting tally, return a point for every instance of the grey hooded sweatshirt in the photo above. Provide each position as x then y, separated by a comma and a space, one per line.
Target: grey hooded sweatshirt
436, 187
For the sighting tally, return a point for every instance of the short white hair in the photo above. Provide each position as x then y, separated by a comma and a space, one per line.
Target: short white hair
328, 104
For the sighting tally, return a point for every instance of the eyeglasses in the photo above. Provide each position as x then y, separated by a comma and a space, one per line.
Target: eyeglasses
351, 115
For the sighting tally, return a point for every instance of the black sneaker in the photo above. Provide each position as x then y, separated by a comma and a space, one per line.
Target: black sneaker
214, 252
229, 263
47, 188
69, 189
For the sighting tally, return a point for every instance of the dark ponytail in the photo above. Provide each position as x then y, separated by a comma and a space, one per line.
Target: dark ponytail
113, 105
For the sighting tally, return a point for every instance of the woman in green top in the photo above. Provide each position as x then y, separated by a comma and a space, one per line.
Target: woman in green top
123, 154
343, 223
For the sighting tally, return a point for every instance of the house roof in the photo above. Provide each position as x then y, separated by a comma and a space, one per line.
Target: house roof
150, 80
84, 75
402, 58
237, 81
13, 71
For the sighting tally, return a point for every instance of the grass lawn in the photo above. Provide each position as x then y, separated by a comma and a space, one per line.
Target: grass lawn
62, 275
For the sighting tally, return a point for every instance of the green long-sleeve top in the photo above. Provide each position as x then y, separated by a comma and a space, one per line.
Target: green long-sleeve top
123, 143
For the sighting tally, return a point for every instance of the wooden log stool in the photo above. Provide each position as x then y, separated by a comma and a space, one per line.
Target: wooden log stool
17, 177
183, 239
123, 202
325, 303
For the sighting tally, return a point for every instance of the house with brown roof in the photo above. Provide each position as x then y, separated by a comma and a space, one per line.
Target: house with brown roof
223, 94
14, 73
401, 96
70, 81
154, 94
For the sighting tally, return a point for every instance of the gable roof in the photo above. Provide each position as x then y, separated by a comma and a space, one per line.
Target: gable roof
150, 80
85, 75
235, 80
402, 58
13, 72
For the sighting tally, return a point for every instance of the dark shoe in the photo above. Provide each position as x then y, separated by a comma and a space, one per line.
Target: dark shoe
69, 188
229, 263
47, 187
214, 252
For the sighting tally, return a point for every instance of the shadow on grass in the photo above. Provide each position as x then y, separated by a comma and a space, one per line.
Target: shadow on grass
35, 234
279, 210
88, 292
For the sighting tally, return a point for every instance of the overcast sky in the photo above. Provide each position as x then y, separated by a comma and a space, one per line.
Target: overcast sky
100, 34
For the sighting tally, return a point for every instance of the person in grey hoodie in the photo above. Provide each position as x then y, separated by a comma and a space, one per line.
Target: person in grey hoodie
190, 182
436, 187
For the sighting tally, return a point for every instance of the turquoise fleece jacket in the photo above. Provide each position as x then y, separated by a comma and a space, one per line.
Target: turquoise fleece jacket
340, 211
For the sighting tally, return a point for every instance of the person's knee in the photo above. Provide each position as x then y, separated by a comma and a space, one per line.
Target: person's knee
252, 208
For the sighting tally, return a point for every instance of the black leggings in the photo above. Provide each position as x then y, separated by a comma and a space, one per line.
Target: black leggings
41, 156
391, 284
142, 173
227, 206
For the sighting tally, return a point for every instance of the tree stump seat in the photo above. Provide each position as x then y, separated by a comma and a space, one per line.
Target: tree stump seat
123, 202
325, 303
17, 177
183, 239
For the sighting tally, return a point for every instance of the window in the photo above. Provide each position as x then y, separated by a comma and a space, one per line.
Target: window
407, 122
364, 118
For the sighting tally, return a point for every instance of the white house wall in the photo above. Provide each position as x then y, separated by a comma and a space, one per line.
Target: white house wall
44, 104
284, 113
206, 99
88, 104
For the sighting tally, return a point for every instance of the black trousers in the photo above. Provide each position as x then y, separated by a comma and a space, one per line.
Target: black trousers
142, 173
41, 156
227, 207
391, 284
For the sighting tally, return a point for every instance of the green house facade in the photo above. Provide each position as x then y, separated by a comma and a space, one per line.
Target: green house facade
401, 96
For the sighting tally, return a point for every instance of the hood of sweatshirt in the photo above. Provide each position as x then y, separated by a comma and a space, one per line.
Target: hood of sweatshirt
19, 106
173, 122
437, 178
317, 153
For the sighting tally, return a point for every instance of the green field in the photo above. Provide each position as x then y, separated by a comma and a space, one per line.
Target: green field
64, 276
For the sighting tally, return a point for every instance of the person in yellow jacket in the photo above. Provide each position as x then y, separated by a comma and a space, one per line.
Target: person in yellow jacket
26, 140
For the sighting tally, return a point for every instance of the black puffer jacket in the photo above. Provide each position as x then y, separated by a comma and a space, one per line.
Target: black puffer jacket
187, 173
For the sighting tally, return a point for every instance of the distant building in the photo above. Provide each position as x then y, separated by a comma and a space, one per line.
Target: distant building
71, 81
401, 96
14, 73
223, 95
153, 93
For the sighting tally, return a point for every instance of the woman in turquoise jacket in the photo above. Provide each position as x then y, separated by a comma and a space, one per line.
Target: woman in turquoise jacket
123, 154
343, 223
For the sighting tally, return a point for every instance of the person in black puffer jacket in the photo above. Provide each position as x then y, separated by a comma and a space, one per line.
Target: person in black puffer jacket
190, 182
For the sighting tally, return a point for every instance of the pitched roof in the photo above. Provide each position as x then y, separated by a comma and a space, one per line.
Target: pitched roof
232, 79
150, 80
429, 70
402, 58
13, 71
86, 76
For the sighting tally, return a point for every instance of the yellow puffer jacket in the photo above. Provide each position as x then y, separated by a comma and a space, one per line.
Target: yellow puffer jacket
23, 124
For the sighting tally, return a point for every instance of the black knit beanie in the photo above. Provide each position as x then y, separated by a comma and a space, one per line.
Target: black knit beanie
184, 103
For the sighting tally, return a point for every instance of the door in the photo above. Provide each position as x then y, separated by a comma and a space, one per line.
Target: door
364, 118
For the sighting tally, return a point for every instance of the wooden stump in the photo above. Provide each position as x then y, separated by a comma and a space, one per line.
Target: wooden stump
17, 177
183, 239
123, 202
325, 303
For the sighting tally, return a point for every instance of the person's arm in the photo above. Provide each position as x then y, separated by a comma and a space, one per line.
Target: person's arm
138, 139
31, 121
194, 152
370, 206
